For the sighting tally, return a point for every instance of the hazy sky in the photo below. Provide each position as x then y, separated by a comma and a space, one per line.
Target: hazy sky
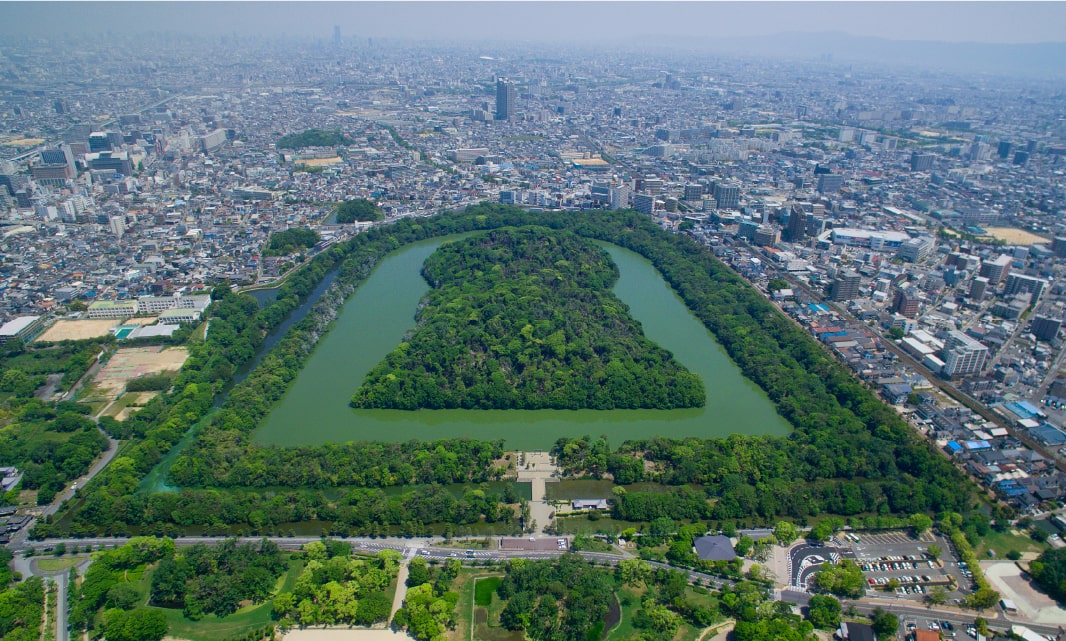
551, 21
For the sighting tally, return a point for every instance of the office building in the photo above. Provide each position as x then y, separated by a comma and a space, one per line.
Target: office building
906, 302
212, 141
1046, 328
693, 192
1058, 246
845, 286
1004, 149
727, 196
644, 203
978, 288
1022, 284
505, 99
916, 249
797, 224
996, 270
765, 236
830, 183
921, 162
1021, 157
962, 355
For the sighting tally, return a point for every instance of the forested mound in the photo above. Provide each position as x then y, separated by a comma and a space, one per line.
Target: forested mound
524, 319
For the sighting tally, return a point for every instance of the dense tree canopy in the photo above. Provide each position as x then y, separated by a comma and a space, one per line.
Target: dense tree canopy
1050, 572
291, 241
358, 209
314, 138
524, 319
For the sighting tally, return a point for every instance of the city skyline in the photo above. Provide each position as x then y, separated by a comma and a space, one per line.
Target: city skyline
954, 22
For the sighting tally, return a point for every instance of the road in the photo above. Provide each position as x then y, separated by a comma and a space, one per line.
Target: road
409, 548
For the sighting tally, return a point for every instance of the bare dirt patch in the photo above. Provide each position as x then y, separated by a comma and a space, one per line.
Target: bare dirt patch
76, 330
134, 362
319, 162
1015, 236
1008, 579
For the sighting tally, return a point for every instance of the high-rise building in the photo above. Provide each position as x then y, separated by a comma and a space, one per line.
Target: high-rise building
727, 196
644, 203
1021, 157
797, 224
1004, 149
996, 270
618, 197
505, 99
845, 286
830, 183
1022, 284
962, 355
693, 192
921, 162
906, 302
1046, 328
978, 288
765, 236
1058, 246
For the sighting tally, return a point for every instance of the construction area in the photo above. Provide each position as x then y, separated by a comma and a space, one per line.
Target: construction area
127, 364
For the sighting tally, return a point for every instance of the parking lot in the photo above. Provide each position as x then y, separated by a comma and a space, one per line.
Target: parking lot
901, 561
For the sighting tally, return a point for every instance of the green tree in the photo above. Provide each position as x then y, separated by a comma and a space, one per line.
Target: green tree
142, 624
785, 532
824, 612
884, 624
920, 523
934, 550
359, 209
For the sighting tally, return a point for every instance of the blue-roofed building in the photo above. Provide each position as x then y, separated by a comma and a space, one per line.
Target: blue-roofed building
977, 445
1049, 435
953, 447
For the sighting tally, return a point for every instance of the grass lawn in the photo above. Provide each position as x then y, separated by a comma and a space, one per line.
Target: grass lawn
213, 628
464, 611
54, 564
1004, 542
629, 597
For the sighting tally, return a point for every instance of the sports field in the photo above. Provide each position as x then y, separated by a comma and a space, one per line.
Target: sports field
1015, 236
76, 330
344, 634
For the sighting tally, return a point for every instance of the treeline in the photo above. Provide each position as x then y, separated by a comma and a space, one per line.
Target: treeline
314, 138
216, 579
158, 383
357, 512
336, 589
429, 606
541, 610
523, 318
290, 241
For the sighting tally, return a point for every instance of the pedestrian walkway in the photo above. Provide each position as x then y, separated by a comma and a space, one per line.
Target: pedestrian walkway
537, 468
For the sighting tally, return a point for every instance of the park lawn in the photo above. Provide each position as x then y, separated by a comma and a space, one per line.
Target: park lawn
54, 565
213, 628
464, 611
1004, 542
629, 597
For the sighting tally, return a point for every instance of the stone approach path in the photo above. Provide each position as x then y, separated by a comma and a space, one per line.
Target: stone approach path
537, 468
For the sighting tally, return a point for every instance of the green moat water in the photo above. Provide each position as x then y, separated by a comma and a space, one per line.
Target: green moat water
315, 410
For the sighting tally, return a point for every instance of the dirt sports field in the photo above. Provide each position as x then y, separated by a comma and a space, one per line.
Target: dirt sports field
76, 330
320, 162
133, 362
1015, 236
